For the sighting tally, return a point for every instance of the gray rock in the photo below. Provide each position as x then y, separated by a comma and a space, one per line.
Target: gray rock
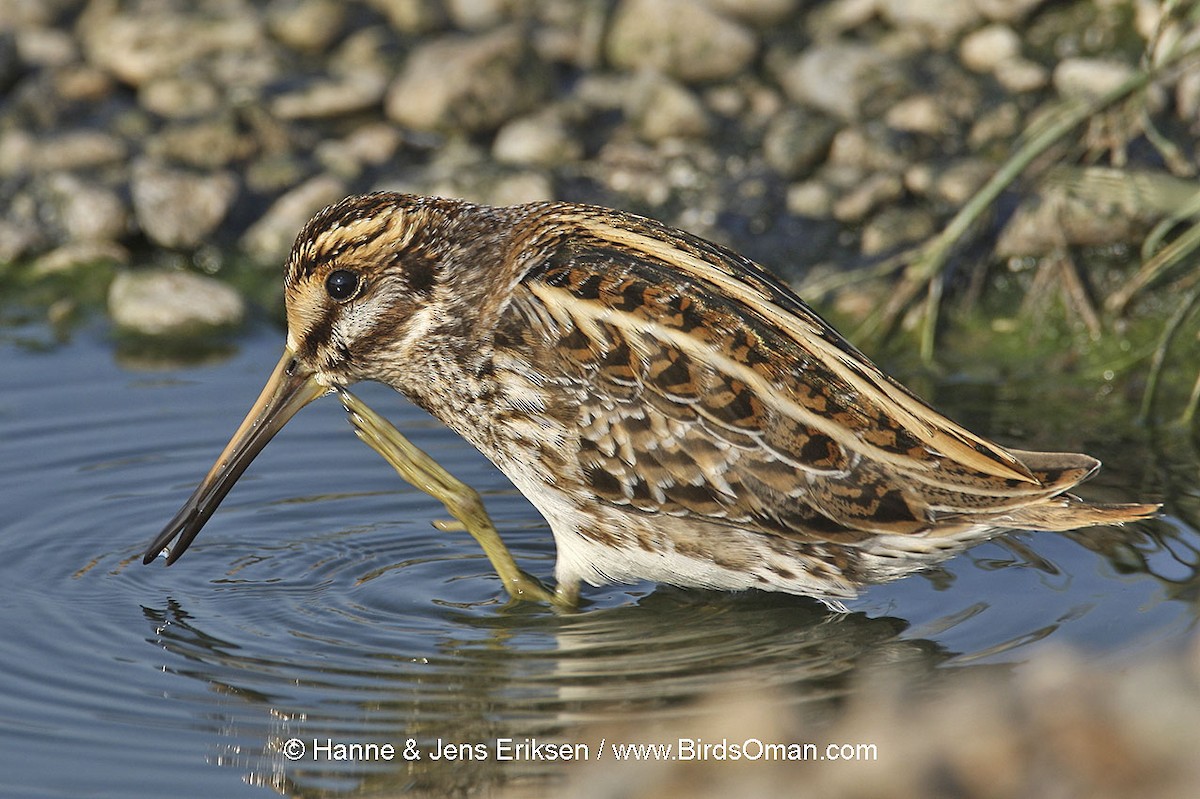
1088, 78
920, 113
893, 228
811, 198
412, 16
179, 208
79, 255
1020, 75
22, 153
871, 193
796, 141
161, 303
306, 25
681, 38
87, 211
538, 139
179, 98
836, 77
468, 83
206, 145
270, 238
145, 40
324, 98
943, 19
756, 12
661, 109
984, 49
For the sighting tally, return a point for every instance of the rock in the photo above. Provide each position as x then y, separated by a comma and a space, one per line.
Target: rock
143, 41
862, 150
756, 12
179, 98
324, 98
70, 151
539, 139
411, 16
87, 211
874, 191
21, 230
309, 26
475, 15
206, 145
77, 255
179, 208
366, 145
161, 302
810, 198
46, 47
1020, 75
661, 109
1089, 78
1052, 220
984, 49
1007, 10
943, 19
920, 113
270, 238
951, 184
468, 83
836, 77
893, 228
796, 141
681, 38
997, 124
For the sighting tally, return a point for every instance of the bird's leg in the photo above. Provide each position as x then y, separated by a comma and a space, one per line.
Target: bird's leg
462, 501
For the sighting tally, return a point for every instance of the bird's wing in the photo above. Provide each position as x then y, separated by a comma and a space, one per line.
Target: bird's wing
704, 387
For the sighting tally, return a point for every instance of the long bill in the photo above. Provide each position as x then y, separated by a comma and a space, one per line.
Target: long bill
289, 389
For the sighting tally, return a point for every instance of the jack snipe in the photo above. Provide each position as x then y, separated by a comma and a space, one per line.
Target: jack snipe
674, 411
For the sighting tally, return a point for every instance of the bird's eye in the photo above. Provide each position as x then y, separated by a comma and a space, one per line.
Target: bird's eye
342, 285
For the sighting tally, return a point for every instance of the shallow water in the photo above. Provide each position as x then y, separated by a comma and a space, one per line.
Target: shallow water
319, 604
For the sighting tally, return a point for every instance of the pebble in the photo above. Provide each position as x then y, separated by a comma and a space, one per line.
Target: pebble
269, 240
920, 113
79, 255
87, 211
537, 139
681, 38
942, 19
984, 49
893, 228
178, 208
876, 190
797, 140
836, 77
661, 109
1089, 78
468, 83
164, 303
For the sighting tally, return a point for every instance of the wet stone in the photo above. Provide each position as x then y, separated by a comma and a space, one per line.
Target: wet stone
468, 83
179, 208
161, 302
796, 141
270, 239
684, 39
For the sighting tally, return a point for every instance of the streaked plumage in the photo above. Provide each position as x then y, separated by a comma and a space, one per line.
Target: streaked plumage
675, 412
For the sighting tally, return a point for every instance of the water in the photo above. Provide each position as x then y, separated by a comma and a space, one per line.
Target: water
320, 604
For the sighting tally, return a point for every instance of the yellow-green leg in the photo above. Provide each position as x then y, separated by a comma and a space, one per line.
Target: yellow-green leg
462, 501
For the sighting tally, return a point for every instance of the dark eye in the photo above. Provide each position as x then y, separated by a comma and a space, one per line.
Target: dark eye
342, 284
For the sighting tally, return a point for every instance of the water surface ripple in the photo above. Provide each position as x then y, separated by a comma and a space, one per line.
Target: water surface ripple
320, 603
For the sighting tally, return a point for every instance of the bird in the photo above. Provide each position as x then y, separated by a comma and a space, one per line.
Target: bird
675, 412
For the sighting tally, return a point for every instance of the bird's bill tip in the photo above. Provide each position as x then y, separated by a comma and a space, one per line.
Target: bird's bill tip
290, 387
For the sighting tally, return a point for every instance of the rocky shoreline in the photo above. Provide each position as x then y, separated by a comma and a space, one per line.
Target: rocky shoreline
159, 135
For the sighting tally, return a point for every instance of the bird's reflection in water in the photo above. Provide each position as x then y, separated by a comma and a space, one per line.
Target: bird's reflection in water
521, 673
